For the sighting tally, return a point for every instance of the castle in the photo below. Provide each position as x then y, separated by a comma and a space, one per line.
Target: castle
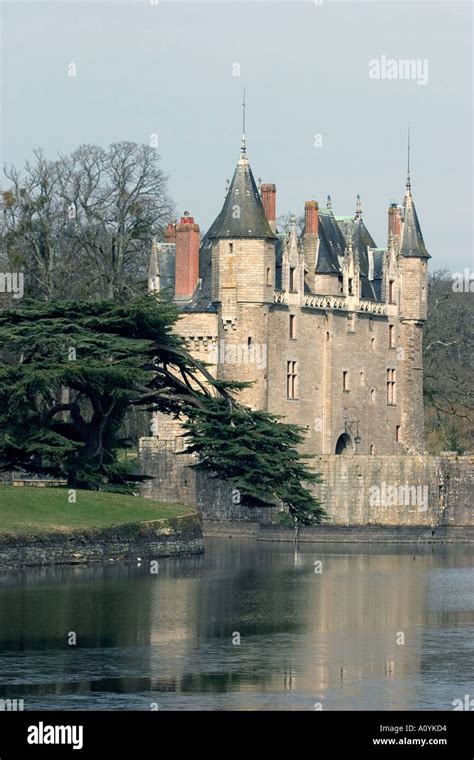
326, 326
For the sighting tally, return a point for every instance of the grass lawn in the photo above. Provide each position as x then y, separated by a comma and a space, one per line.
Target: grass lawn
30, 511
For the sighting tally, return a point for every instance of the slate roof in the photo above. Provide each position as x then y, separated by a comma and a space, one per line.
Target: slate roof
361, 241
378, 255
333, 233
242, 214
412, 243
201, 300
278, 261
167, 265
331, 243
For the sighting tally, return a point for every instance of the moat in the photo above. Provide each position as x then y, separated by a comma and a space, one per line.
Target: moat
336, 627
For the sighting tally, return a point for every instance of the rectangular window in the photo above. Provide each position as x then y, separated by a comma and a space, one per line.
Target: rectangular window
391, 387
391, 336
351, 286
397, 434
292, 326
292, 278
291, 379
231, 248
391, 291
345, 380
269, 276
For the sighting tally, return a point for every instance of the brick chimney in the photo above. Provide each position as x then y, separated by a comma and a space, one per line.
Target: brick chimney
394, 220
311, 217
269, 203
187, 256
170, 232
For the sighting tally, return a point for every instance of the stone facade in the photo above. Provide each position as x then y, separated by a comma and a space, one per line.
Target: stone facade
327, 329
325, 326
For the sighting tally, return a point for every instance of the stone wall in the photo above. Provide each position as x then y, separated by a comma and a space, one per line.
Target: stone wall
174, 480
418, 490
405, 490
147, 540
457, 486
388, 490
429, 490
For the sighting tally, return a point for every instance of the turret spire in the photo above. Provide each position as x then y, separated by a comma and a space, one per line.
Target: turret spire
412, 243
408, 185
243, 146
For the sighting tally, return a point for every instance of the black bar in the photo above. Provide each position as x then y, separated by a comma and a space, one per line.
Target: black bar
154, 734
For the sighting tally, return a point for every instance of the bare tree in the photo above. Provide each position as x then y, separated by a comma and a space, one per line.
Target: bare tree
448, 352
82, 225
33, 221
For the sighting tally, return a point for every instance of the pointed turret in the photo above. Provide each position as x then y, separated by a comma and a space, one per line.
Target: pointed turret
412, 312
412, 243
242, 214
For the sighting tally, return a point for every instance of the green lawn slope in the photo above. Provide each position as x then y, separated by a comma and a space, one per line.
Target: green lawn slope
35, 511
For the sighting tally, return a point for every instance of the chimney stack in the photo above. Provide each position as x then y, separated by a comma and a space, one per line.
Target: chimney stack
170, 232
268, 192
311, 217
187, 257
394, 221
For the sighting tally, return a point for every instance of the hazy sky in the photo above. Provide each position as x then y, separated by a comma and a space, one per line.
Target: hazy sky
149, 67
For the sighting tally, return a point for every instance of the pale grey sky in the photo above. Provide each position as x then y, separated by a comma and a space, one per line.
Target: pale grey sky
167, 68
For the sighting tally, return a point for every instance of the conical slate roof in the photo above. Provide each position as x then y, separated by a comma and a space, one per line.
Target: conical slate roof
412, 244
242, 214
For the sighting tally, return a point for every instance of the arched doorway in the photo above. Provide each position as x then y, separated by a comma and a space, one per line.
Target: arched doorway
344, 444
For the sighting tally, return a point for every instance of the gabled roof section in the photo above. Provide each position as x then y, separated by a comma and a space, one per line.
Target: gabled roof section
353, 228
331, 243
412, 243
378, 259
242, 214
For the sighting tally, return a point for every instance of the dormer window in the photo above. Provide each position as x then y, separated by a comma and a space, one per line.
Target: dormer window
292, 278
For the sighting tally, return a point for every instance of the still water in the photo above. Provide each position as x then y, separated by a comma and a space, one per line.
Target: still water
380, 627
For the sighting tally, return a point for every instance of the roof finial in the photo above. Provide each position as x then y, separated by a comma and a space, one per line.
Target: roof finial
243, 147
358, 212
329, 202
408, 185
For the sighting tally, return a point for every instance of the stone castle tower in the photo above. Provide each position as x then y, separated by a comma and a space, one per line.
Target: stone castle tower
326, 326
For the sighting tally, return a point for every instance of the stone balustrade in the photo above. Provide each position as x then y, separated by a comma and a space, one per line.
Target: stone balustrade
316, 301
